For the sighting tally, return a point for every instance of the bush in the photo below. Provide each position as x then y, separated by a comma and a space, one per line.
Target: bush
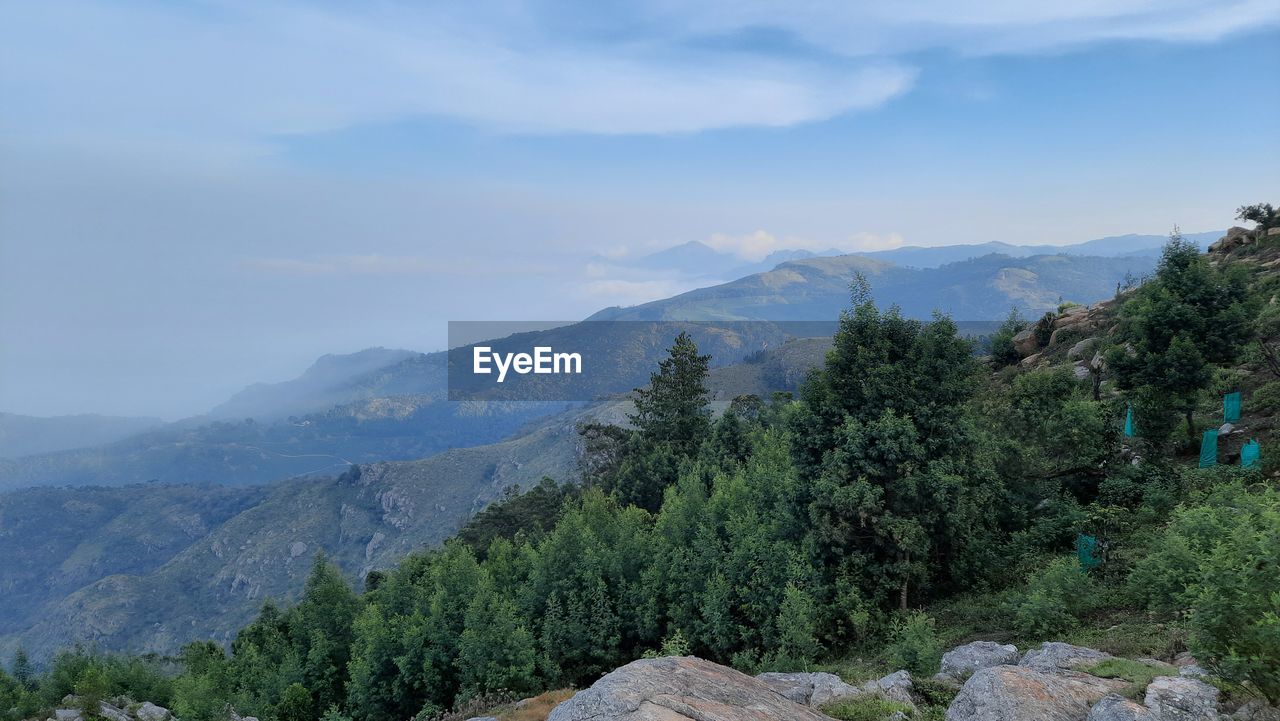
915, 645
1267, 398
1236, 603
1055, 598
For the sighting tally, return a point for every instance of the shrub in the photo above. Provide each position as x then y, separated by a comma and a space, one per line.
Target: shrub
1055, 598
1267, 398
1236, 603
915, 645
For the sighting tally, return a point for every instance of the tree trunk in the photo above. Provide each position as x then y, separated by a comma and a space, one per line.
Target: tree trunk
1191, 424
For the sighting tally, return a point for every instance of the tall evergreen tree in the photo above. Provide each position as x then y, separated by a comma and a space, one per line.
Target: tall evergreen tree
1191, 316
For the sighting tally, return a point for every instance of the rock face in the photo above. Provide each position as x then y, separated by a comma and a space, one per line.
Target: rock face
151, 712
1014, 693
1055, 656
1025, 342
680, 688
897, 686
959, 663
1179, 698
810, 689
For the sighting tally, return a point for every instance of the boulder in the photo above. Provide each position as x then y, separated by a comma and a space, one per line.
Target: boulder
1025, 342
111, 713
897, 686
1055, 655
68, 714
1178, 698
1256, 710
680, 688
1273, 231
1097, 362
1077, 351
810, 689
1005, 693
1031, 360
483, 718
1079, 371
1118, 708
959, 663
151, 712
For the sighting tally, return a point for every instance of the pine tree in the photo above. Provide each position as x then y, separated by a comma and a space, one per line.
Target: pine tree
673, 409
23, 672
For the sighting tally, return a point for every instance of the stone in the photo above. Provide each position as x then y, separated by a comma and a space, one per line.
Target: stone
1005, 693
1225, 428
297, 548
1077, 351
68, 714
111, 713
483, 718
1193, 670
680, 688
1055, 655
1079, 371
1256, 710
1098, 361
897, 686
1118, 708
959, 663
1025, 342
1273, 231
1177, 698
151, 712
810, 689
1031, 360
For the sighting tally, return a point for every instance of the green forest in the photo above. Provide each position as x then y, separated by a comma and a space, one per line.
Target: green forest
911, 493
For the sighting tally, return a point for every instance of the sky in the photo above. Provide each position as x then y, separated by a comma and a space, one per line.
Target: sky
197, 196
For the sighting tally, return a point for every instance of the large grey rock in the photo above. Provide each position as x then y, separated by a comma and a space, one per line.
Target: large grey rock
1118, 708
1179, 698
1017, 693
810, 689
680, 688
151, 712
68, 714
1168, 698
483, 718
1055, 655
959, 663
897, 686
1256, 710
1078, 350
111, 713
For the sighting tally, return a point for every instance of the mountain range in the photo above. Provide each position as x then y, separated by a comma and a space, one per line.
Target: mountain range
364, 458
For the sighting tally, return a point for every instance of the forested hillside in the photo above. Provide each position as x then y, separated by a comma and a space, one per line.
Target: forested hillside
908, 495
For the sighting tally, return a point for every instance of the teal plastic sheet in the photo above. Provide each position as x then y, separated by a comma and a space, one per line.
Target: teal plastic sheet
1209, 449
1231, 407
1128, 423
1250, 454
1088, 552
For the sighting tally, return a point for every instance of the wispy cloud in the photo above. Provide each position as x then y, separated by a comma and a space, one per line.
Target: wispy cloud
245, 71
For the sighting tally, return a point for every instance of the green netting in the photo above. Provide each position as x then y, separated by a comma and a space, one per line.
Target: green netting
1231, 407
1250, 454
1128, 423
1087, 551
1209, 449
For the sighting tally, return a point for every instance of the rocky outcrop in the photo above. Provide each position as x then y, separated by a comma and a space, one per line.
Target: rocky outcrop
119, 709
1168, 698
1057, 656
1026, 343
680, 688
961, 662
1006, 693
810, 689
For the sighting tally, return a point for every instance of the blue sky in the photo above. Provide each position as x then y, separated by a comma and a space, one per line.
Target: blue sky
197, 196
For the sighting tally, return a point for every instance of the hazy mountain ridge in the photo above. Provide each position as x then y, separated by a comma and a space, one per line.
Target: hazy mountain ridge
981, 288
24, 435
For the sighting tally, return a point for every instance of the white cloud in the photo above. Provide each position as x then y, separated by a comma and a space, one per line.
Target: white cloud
245, 71
759, 244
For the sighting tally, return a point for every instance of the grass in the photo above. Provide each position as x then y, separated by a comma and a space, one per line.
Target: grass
865, 708
1138, 673
538, 707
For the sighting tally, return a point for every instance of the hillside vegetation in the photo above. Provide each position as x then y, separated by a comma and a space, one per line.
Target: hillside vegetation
905, 497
